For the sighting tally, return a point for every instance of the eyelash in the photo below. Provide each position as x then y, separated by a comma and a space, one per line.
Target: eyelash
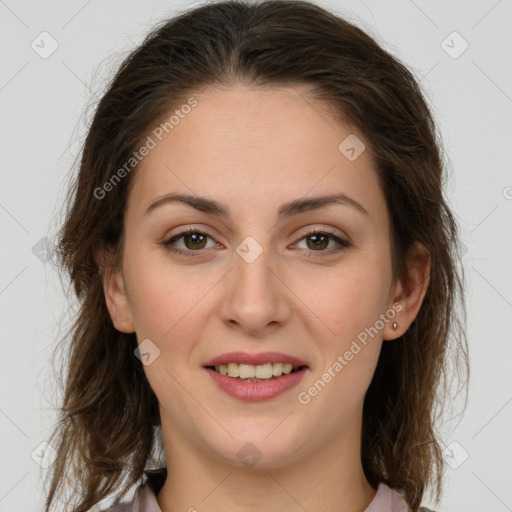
342, 243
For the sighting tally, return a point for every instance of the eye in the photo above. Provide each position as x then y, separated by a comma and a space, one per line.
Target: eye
318, 241
193, 240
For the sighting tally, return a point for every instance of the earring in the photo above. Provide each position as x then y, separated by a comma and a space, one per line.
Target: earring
395, 326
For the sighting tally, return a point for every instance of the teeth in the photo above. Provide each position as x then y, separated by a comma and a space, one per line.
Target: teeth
232, 370
246, 371
277, 369
287, 368
264, 371
250, 371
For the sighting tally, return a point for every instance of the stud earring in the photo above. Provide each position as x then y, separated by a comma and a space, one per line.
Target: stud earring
395, 326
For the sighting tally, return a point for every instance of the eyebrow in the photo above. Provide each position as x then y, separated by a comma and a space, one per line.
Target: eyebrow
289, 209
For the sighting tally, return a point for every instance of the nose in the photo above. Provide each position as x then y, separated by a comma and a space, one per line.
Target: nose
256, 297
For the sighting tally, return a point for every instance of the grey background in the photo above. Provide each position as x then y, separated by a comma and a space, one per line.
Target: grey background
44, 100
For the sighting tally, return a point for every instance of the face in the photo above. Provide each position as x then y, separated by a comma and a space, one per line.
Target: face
250, 275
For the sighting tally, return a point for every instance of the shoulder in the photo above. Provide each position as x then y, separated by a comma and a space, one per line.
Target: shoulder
389, 500
385, 500
144, 500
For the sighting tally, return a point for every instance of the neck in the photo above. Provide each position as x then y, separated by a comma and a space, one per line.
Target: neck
330, 479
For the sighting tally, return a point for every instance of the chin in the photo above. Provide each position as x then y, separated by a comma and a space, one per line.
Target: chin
258, 449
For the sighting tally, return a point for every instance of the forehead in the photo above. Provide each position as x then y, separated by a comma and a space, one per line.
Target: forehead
256, 146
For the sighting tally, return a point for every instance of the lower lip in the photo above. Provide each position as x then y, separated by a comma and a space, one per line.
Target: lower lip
256, 391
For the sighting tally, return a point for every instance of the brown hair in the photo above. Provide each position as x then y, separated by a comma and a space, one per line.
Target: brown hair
105, 432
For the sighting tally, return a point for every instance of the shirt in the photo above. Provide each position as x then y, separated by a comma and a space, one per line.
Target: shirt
386, 500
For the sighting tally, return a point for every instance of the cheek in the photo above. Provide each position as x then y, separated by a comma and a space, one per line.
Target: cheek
166, 301
346, 326
169, 308
346, 302
339, 390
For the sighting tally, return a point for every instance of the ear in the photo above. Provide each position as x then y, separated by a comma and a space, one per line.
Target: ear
115, 292
409, 294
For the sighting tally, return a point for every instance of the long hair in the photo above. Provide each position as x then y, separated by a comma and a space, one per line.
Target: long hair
105, 433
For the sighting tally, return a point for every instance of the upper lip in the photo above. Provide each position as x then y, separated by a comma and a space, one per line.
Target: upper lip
255, 359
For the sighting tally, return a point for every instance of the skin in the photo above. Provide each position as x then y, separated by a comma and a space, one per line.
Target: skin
253, 149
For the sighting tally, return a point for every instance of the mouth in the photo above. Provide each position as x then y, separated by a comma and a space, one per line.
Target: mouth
253, 377
256, 373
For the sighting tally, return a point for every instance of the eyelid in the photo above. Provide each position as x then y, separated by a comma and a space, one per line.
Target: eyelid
328, 230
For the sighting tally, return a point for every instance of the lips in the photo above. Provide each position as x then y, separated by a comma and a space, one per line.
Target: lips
255, 390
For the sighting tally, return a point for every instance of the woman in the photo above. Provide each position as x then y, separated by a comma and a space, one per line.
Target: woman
267, 271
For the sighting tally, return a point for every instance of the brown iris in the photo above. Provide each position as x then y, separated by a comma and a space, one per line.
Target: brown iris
320, 243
